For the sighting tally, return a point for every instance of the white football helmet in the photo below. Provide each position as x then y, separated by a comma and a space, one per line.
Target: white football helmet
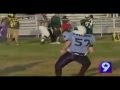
86, 16
81, 30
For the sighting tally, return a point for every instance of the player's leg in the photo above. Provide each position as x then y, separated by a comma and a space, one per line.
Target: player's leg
16, 36
41, 33
43, 37
58, 35
46, 34
51, 34
13, 35
54, 36
85, 61
63, 61
12, 38
8, 35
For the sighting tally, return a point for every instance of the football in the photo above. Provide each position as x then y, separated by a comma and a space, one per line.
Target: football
42, 41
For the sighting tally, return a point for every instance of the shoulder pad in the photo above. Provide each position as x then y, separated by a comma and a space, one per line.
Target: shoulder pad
88, 35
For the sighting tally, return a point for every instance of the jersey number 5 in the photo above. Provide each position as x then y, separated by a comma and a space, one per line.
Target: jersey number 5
79, 42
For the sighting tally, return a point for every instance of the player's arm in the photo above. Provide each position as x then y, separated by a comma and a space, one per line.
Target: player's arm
91, 47
65, 47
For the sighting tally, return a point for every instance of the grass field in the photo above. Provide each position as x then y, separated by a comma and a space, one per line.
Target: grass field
31, 58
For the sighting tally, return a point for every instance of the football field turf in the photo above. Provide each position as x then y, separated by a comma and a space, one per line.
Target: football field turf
31, 58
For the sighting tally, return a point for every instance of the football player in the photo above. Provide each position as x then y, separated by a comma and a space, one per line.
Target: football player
44, 32
76, 48
13, 29
89, 24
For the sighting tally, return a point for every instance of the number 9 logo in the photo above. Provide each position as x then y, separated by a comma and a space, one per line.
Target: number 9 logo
105, 66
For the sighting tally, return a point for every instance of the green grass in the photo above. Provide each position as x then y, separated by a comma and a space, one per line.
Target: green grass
31, 58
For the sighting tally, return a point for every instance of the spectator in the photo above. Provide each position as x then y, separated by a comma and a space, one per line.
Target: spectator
56, 24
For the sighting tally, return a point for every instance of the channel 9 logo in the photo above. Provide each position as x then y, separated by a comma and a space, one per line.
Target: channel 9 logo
105, 67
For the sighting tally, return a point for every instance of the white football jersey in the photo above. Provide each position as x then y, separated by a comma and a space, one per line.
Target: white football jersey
44, 31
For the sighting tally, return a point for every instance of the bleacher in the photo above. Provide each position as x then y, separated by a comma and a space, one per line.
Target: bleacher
102, 24
78, 17
28, 25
